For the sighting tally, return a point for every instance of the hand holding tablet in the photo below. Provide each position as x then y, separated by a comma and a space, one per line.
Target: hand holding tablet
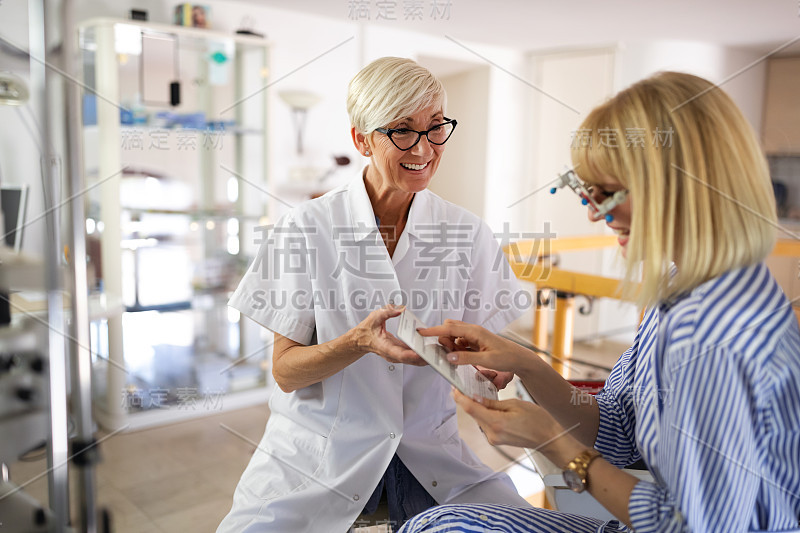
466, 378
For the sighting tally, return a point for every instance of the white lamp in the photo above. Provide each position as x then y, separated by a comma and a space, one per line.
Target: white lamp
300, 102
13, 90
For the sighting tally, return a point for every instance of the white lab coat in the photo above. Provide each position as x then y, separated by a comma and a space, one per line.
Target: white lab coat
327, 445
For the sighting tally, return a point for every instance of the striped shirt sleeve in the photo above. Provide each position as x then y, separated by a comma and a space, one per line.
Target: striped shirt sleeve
714, 465
616, 431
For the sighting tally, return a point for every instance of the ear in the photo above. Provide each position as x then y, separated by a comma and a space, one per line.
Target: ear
360, 141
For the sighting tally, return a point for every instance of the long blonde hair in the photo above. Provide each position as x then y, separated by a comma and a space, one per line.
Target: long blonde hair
701, 196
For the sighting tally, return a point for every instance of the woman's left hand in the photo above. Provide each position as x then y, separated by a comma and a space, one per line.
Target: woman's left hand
499, 378
523, 424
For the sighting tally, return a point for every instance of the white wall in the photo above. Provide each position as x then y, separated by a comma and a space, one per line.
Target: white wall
507, 144
571, 83
461, 177
741, 73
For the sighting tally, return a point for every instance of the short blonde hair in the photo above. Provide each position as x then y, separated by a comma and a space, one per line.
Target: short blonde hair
701, 196
388, 89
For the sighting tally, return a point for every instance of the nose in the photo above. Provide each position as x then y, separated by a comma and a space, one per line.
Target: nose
590, 212
420, 149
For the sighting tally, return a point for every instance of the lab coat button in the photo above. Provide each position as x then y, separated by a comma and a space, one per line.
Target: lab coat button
434, 483
391, 368
391, 435
356, 498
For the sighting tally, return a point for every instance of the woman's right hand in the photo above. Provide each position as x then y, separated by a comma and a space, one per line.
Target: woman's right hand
371, 336
471, 344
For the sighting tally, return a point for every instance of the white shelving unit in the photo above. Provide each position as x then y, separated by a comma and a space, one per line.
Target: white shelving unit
199, 202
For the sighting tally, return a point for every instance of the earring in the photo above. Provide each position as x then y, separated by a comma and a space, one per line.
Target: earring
366, 152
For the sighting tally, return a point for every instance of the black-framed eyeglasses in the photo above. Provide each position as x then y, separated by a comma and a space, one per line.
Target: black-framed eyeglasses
406, 139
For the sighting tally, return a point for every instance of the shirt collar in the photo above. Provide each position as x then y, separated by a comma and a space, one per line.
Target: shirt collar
420, 216
361, 213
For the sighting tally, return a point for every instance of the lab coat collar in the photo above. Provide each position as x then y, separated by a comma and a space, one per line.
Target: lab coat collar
420, 217
361, 213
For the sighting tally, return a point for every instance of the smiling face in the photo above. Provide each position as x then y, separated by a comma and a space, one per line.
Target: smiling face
621, 224
408, 171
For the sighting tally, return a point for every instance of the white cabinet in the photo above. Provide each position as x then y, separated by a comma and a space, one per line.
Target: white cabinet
176, 158
781, 132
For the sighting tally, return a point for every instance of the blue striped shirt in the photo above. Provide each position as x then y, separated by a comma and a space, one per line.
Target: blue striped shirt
709, 397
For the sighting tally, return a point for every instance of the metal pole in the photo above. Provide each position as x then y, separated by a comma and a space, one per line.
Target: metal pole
109, 163
562, 331
81, 357
541, 315
58, 440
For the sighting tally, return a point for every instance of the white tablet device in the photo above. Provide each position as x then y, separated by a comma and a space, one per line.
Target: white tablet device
465, 378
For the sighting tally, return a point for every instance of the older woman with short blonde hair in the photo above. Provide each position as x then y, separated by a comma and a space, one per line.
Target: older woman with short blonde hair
357, 416
708, 396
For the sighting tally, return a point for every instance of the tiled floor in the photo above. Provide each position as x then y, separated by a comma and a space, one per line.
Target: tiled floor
181, 477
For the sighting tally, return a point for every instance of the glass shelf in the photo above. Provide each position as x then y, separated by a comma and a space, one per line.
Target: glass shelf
168, 214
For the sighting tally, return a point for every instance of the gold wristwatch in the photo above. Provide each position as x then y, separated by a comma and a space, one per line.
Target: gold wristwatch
577, 470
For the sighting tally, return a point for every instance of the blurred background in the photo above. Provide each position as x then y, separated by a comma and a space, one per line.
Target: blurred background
201, 124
